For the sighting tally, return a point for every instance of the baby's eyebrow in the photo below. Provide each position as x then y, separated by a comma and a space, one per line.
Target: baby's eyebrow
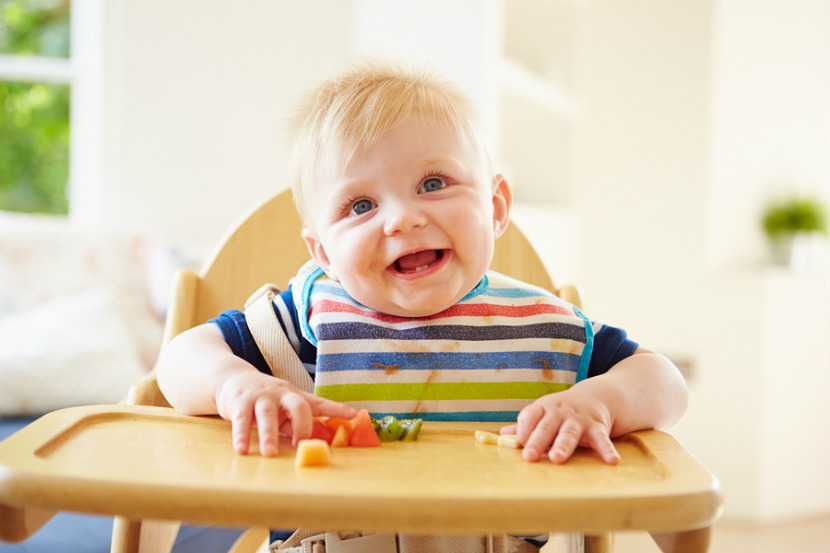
438, 161
342, 188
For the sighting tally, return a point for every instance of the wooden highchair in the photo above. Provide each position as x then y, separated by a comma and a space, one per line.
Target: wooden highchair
148, 466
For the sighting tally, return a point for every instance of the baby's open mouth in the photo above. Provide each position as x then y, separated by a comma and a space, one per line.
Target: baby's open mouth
418, 261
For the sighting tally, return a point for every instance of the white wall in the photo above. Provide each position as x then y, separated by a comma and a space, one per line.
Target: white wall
695, 112
199, 93
770, 135
462, 42
690, 113
770, 117
641, 195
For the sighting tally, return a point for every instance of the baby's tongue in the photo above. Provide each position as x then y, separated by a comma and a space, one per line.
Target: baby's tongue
411, 262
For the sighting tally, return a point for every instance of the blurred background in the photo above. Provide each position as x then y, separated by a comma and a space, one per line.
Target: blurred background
663, 155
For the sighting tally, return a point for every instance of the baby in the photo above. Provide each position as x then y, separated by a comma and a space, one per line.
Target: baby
397, 311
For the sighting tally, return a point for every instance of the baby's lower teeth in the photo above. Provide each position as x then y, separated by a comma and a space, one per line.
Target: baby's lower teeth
421, 268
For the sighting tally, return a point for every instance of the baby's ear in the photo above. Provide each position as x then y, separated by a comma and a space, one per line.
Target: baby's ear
502, 201
318, 252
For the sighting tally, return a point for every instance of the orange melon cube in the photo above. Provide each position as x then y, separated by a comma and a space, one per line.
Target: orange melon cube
341, 436
312, 453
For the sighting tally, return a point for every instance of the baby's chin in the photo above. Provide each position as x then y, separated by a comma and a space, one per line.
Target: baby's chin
408, 309
411, 312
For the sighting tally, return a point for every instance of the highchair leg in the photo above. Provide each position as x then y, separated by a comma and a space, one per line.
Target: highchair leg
253, 540
18, 523
691, 541
602, 543
148, 536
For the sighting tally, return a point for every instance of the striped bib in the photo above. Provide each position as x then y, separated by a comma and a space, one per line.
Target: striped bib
497, 350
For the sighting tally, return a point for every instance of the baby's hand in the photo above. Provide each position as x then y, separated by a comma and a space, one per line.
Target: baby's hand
558, 423
275, 406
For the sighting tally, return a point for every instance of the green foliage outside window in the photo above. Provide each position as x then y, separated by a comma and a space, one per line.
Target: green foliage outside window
34, 117
34, 147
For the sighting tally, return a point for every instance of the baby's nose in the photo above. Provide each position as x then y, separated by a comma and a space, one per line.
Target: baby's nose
403, 218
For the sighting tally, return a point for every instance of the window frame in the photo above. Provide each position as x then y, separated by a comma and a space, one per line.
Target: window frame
83, 73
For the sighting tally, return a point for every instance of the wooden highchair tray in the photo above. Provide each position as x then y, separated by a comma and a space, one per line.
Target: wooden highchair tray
150, 462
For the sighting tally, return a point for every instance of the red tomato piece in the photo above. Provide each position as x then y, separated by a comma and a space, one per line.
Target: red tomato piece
321, 432
363, 433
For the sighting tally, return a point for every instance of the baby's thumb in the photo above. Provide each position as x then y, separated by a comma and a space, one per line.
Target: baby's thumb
509, 429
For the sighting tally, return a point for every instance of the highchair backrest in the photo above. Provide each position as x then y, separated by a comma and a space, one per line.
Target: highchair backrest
265, 246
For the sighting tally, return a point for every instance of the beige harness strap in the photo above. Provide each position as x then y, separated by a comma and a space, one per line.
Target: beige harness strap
271, 340
304, 541
445, 544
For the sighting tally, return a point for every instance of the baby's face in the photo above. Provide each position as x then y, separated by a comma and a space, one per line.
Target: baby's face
408, 226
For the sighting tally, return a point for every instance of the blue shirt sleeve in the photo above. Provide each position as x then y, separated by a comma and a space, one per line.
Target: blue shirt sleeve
611, 345
238, 336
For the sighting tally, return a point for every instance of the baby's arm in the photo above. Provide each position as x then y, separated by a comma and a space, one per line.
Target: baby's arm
199, 375
642, 391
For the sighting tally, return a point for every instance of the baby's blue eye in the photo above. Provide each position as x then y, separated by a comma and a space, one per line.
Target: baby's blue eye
362, 206
432, 184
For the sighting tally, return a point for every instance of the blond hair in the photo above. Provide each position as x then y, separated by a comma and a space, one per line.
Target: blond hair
357, 107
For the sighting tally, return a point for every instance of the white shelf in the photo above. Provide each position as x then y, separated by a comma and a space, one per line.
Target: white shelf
539, 108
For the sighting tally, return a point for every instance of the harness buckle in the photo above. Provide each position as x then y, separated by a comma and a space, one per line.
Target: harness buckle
369, 543
265, 289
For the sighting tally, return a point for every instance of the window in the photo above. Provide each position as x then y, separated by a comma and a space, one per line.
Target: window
35, 80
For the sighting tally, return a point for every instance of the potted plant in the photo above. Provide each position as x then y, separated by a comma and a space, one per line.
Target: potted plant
790, 225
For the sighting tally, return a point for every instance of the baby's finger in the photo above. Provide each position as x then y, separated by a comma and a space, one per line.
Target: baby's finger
602, 444
528, 420
566, 441
299, 411
268, 425
322, 407
542, 437
509, 429
241, 423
